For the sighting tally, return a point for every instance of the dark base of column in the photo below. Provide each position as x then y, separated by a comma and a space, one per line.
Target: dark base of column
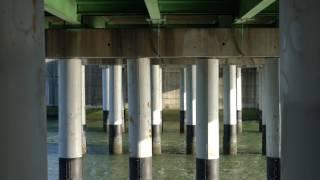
115, 139
140, 168
190, 139
84, 127
273, 168
156, 139
239, 122
260, 120
70, 169
264, 140
207, 169
182, 117
105, 115
230, 139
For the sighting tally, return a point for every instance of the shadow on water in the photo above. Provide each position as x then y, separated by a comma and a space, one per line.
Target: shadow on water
173, 164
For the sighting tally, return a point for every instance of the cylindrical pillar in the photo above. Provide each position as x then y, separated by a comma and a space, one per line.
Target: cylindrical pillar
156, 108
115, 119
259, 88
123, 125
299, 89
139, 91
191, 108
273, 119
183, 102
207, 128
23, 128
70, 122
264, 113
239, 101
83, 110
230, 110
160, 94
105, 96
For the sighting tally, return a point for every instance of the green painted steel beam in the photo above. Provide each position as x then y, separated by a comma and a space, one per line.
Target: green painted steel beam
64, 9
110, 6
153, 10
258, 8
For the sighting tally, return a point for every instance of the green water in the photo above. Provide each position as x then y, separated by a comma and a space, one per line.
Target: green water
173, 164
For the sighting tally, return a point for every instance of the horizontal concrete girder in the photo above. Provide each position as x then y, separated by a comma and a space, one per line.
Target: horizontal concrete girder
163, 43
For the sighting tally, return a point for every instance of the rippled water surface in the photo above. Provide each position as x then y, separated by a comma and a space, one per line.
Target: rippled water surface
173, 164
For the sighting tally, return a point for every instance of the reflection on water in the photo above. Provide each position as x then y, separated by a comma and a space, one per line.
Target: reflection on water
172, 164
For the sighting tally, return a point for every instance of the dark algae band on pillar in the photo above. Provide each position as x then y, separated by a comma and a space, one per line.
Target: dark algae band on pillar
207, 169
104, 120
140, 168
182, 117
115, 139
190, 139
230, 139
156, 139
264, 140
70, 169
273, 168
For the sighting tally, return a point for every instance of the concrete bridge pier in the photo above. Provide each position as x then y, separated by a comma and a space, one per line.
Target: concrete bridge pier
156, 108
105, 96
116, 110
230, 110
70, 119
23, 128
264, 105
273, 119
83, 113
183, 103
191, 108
140, 136
207, 128
239, 101
259, 93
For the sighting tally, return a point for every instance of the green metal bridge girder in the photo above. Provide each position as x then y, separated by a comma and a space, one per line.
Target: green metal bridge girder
64, 9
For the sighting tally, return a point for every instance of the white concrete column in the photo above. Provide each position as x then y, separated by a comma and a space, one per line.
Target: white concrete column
83, 104
273, 119
230, 110
116, 117
105, 96
156, 108
161, 95
207, 128
70, 119
183, 95
191, 108
23, 129
299, 89
264, 113
239, 101
140, 141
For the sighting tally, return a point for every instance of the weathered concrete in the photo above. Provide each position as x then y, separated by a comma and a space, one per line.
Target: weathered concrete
140, 161
156, 108
83, 109
207, 128
230, 110
273, 122
70, 119
179, 42
23, 129
299, 89
116, 110
191, 118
